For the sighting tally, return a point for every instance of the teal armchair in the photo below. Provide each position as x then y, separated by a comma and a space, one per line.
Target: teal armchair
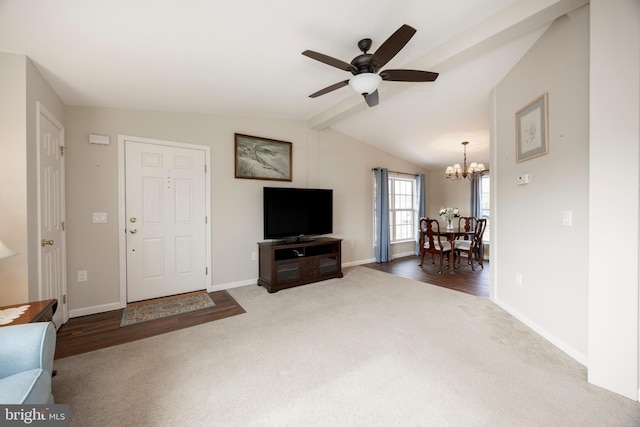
26, 363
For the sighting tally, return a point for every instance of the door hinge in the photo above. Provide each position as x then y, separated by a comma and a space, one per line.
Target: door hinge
62, 148
62, 225
64, 298
205, 168
206, 220
206, 271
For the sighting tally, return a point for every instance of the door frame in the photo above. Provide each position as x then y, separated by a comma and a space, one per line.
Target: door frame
63, 306
122, 219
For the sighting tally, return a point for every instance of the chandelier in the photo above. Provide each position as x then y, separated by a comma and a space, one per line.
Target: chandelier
456, 172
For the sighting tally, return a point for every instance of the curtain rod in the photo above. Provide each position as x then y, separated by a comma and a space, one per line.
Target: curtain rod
399, 173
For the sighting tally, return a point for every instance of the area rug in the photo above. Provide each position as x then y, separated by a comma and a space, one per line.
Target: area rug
157, 309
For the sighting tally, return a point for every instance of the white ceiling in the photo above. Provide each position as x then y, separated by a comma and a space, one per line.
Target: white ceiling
243, 57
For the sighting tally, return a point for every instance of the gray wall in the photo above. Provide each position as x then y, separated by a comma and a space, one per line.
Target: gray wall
528, 237
320, 159
38, 91
13, 170
22, 87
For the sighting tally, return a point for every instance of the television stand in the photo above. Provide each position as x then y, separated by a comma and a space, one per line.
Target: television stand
284, 264
298, 239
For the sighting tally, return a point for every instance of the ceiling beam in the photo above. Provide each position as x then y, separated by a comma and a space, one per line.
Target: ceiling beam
509, 24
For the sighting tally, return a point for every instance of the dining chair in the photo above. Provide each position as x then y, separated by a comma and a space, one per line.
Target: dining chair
472, 247
466, 223
430, 241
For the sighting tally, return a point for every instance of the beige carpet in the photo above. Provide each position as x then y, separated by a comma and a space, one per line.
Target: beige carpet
370, 349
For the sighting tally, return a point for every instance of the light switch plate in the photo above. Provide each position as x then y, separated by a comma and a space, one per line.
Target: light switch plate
99, 217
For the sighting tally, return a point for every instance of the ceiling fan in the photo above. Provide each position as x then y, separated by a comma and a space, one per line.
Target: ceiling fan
365, 67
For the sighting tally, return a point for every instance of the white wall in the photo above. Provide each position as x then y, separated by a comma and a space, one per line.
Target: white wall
324, 159
614, 187
528, 238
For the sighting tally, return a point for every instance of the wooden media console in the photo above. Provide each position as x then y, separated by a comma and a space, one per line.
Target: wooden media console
284, 265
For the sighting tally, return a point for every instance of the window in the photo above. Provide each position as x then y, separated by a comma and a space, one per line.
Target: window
485, 205
402, 209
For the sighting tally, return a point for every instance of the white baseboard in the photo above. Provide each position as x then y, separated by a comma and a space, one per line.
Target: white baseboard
570, 351
231, 285
219, 287
371, 260
361, 262
402, 255
95, 309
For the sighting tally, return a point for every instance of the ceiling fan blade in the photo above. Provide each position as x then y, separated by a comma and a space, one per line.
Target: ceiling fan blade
329, 89
329, 60
408, 76
372, 98
391, 47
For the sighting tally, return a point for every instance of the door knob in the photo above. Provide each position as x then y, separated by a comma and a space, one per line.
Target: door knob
133, 230
133, 219
46, 242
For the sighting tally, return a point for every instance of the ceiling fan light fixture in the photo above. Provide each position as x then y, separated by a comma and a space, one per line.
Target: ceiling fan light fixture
365, 83
366, 67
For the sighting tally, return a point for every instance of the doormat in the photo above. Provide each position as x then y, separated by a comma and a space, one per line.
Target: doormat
165, 307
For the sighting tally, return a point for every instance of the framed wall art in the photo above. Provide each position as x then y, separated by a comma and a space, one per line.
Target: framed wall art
532, 130
262, 158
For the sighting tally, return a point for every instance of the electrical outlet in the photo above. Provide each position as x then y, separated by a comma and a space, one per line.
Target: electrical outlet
254, 256
82, 275
519, 279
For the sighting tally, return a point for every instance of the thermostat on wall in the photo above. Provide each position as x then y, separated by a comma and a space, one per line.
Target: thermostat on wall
523, 179
99, 139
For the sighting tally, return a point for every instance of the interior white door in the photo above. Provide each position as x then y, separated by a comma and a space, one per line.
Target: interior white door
52, 266
166, 220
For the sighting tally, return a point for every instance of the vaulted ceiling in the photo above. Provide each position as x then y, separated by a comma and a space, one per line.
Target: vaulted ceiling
243, 57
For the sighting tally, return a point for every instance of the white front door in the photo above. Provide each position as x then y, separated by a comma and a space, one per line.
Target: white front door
165, 210
51, 239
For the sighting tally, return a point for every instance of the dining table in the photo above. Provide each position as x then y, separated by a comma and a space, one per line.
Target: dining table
451, 236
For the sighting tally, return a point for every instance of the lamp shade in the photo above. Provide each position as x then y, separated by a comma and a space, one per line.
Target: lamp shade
5, 251
365, 83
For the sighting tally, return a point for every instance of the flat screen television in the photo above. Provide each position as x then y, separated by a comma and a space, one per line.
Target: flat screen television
297, 213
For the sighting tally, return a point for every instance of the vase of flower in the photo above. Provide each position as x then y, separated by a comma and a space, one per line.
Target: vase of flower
447, 215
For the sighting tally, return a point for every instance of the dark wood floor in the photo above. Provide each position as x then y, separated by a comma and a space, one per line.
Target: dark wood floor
463, 280
96, 331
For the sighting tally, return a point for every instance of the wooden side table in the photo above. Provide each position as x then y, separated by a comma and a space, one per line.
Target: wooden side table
39, 311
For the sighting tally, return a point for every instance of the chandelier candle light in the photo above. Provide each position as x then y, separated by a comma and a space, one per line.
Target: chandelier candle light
456, 172
448, 214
